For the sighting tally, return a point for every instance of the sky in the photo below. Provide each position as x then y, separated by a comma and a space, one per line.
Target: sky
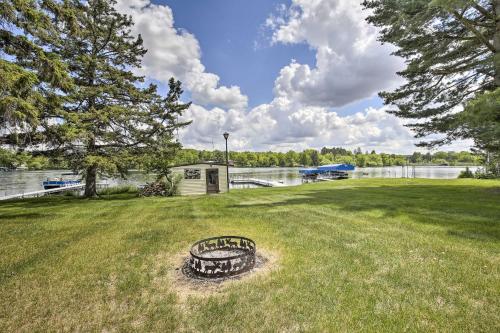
276, 75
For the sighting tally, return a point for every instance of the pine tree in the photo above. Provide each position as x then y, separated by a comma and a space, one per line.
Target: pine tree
452, 53
109, 118
31, 73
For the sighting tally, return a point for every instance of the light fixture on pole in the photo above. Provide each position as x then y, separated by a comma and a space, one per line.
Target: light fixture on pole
226, 135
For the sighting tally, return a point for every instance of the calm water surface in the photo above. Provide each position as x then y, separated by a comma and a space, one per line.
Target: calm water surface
290, 176
26, 181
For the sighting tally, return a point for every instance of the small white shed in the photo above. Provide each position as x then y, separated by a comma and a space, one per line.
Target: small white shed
202, 178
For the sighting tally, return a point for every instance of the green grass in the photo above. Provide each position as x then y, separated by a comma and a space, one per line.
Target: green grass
370, 255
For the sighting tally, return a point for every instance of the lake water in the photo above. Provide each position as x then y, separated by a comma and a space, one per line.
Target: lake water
291, 176
26, 181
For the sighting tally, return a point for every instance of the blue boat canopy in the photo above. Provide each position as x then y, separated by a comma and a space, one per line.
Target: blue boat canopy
336, 167
327, 168
308, 171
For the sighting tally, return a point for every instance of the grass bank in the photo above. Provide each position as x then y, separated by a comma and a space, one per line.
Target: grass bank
377, 255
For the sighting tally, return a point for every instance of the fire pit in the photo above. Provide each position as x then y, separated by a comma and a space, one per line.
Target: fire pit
222, 256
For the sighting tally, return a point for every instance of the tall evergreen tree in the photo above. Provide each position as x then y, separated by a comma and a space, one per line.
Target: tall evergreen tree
452, 53
108, 118
31, 72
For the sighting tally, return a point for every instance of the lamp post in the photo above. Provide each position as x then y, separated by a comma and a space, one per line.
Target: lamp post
226, 135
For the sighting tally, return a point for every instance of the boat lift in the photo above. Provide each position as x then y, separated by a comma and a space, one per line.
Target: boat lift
327, 172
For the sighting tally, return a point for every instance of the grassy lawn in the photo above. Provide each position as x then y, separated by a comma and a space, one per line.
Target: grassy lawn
370, 255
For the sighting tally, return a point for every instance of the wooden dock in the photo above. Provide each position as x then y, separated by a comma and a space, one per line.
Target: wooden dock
41, 193
257, 182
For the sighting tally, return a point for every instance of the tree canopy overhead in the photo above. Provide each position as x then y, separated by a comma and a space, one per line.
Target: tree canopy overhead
452, 53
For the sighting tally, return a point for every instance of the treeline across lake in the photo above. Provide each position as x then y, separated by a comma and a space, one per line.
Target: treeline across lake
308, 157
313, 157
11, 160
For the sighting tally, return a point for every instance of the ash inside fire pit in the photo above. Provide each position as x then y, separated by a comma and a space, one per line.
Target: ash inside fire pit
222, 256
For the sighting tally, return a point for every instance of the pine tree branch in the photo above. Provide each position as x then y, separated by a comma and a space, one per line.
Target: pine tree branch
108, 37
452, 68
469, 25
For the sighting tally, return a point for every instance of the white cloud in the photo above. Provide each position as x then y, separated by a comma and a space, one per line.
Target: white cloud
204, 88
283, 125
350, 63
175, 52
209, 124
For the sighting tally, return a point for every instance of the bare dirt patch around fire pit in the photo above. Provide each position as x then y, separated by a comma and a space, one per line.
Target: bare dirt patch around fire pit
185, 283
222, 253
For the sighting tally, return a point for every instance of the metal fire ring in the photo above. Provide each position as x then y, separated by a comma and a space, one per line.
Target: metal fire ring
222, 256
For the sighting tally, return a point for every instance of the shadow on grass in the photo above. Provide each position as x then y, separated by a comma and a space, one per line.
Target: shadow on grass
465, 211
27, 216
61, 200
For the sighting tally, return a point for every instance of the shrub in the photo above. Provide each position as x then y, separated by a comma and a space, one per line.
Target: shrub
484, 175
120, 189
479, 174
466, 173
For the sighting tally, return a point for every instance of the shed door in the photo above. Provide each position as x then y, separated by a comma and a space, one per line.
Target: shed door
212, 180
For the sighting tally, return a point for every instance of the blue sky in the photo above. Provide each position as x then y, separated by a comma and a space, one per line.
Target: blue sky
277, 75
228, 32
235, 44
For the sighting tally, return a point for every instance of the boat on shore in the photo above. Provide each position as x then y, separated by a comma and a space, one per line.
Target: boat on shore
58, 182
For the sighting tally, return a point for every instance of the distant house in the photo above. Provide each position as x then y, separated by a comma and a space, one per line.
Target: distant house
202, 178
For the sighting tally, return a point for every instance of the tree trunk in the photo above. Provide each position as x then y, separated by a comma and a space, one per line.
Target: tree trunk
90, 182
496, 42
